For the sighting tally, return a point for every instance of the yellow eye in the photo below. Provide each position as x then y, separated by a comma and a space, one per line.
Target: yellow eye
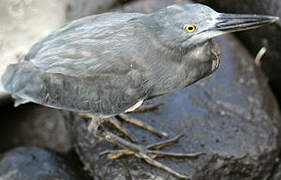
189, 28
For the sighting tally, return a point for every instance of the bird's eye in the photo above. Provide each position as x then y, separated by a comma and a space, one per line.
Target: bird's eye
190, 28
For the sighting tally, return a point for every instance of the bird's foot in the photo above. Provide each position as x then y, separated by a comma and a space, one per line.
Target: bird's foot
114, 121
148, 153
151, 150
140, 124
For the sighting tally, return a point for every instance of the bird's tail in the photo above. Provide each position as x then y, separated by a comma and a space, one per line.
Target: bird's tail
2, 90
15, 78
7, 79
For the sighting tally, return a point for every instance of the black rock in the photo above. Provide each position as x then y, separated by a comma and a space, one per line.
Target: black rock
31, 163
231, 116
277, 171
32, 125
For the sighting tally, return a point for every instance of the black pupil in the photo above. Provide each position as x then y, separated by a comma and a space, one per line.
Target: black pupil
190, 28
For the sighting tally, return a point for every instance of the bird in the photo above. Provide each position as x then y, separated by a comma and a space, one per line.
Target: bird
108, 64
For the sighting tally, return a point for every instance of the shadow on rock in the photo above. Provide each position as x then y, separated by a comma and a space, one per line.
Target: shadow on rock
32, 125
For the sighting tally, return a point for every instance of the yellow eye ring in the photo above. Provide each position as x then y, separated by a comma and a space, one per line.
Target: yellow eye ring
190, 28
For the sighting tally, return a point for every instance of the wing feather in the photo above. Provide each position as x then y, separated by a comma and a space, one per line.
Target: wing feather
103, 94
84, 66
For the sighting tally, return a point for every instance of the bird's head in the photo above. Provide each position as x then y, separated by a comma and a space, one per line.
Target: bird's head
188, 25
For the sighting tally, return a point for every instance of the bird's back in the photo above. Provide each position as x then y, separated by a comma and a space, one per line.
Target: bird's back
82, 67
85, 44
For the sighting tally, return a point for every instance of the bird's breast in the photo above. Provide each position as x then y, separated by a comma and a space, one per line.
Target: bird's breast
196, 64
201, 61
215, 57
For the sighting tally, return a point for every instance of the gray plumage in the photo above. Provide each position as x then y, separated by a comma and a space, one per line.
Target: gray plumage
105, 64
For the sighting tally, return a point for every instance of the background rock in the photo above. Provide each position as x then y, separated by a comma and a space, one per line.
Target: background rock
32, 125
22, 23
81, 8
148, 6
231, 116
277, 172
30, 163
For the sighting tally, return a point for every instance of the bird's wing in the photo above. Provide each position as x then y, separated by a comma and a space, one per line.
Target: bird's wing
82, 68
89, 45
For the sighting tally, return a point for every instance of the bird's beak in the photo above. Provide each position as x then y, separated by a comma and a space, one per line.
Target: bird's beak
241, 22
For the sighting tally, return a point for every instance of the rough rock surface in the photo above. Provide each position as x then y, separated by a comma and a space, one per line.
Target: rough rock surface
277, 172
32, 125
231, 116
22, 23
268, 36
30, 163
81, 8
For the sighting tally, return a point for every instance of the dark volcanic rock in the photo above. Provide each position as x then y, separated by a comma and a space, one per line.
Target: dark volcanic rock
30, 163
277, 172
32, 125
269, 36
231, 116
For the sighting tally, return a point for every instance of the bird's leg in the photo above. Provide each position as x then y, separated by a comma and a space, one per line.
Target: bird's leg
115, 122
140, 124
141, 151
133, 121
94, 124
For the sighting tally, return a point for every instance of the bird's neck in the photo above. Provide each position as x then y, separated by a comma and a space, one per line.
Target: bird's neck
171, 48
198, 62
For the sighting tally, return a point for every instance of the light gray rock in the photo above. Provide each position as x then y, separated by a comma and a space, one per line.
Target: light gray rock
81, 8
22, 23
